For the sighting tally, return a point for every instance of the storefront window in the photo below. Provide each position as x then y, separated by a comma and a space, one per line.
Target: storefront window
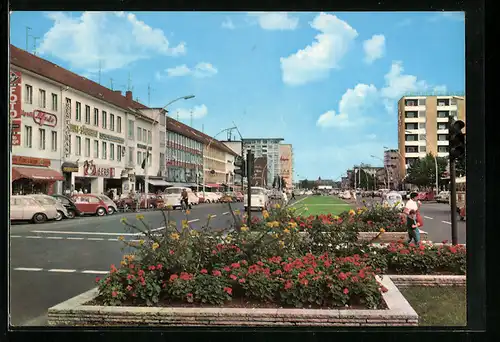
29, 187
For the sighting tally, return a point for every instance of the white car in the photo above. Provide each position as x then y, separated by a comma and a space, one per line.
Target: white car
259, 199
172, 196
212, 197
345, 195
394, 199
49, 201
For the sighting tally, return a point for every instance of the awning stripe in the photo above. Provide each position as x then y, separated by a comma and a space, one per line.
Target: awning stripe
36, 173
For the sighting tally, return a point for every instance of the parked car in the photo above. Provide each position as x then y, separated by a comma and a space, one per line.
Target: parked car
212, 197
172, 197
27, 208
93, 204
201, 198
259, 199
394, 199
239, 196
49, 201
425, 196
70, 206
443, 197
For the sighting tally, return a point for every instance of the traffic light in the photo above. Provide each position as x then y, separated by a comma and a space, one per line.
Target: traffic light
250, 162
240, 167
457, 140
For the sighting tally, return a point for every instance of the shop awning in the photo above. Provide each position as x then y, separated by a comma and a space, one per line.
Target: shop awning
36, 174
212, 185
69, 167
158, 182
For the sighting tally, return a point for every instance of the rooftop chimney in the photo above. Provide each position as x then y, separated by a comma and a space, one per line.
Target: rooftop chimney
118, 91
128, 96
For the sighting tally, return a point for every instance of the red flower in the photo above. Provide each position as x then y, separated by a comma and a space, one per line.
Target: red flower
228, 290
227, 269
131, 266
444, 242
129, 288
130, 276
235, 265
140, 273
114, 294
233, 277
159, 266
186, 276
152, 268
383, 289
97, 279
346, 291
216, 273
171, 252
244, 262
203, 271
242, 280
342, 276
189, 295
173, 277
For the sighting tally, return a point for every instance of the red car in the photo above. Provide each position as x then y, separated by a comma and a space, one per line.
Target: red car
425, 196
154, 201
239, 196
92, 204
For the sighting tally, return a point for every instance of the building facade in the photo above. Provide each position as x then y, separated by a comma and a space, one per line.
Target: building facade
70, 133
286, 164
423, 126
392, 160
269, 148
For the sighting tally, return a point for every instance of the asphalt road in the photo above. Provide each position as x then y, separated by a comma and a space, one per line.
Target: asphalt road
55, 261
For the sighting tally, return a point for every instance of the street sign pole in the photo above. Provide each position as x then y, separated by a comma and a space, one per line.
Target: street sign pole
453, 202
249, 188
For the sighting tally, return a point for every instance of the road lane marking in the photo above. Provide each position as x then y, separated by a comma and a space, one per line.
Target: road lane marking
83, 233
54, 237
95, 239
427, 217
33, 237
111, 239
94, 272
194, 220
61, 270
327, 204
157, 229
446, 222
227, 212
75, 238
15, 236
28, 269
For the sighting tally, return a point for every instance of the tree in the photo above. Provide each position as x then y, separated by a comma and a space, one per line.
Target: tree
422, 172
366, 181
306, 184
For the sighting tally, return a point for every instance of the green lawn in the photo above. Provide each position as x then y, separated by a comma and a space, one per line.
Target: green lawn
317, 205
438, 306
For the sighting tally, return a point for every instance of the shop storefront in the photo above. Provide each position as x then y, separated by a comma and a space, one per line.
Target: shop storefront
33, 175
67, 169
92, 178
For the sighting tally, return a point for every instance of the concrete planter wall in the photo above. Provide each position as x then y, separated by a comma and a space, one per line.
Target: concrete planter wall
428, 280
74, 312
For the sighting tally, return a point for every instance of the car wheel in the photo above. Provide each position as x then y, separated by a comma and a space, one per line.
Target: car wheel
101, 211
59, 216
71, 214
39, 218
111, 210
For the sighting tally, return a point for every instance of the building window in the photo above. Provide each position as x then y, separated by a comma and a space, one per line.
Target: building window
42, 138
78, 111
87, 115
411, 137
111, 122
28, 97
453, 101
408, 115
411, 126
54, 102
111, 151
443, 149
144, 136
139, 134
421, 114
28, 136
162, 161
119, 153
78, 151
442, 126
42, 100
421, 102
104, 150
139, 160
131, 154
442, 137
150, 137
104, 120
96, 148
442, 114
410, 103
453, 114
443, 102
119, 124
53, 141
96, 117
422, 148
87, 147
422, 137
131, 129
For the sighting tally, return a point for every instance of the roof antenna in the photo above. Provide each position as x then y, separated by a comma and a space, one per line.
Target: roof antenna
34, 44
111, 82
27, 37
150, 90
100, 69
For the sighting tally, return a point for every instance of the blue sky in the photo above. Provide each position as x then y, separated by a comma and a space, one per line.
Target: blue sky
328, 83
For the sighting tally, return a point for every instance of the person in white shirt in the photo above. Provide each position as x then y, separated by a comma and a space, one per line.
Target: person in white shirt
411, 204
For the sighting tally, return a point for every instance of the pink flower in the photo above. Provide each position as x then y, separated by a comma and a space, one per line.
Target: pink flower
235, 265
346, 291
233, 277
159, 266
171, 252
173, 277
152, 268
203, 271
129, 288
216, 273
114, 294
242, 280
97, 279
227, 269
189, 295
228, 290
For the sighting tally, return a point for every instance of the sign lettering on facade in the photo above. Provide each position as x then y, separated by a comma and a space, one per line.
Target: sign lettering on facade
144, 147
91, 170
31, 161
111, 138
84, 130
42, 118
15, 106
67, 129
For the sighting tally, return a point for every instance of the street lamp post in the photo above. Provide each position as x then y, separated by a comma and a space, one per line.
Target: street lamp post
162, 110
386, 179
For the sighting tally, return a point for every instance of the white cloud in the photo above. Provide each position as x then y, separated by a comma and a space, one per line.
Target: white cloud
197, 112
353, 104
113, 39
276, 20
228, 24
374, 48
200, 70
316, 60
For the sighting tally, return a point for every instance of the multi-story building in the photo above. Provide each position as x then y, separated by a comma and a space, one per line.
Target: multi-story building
423, 126
392, 160
218, 163
269, 148
73, 133
286, 164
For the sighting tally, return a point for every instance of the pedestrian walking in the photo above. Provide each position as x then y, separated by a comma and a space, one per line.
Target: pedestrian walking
412, 227
293, 196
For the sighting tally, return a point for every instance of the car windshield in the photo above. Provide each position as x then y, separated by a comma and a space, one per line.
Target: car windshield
104, 198
46, 200
176, 191
257, 191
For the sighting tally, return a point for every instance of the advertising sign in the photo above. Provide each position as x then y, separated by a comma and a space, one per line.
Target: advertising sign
91, 170
259, 177
41, 118
15, 106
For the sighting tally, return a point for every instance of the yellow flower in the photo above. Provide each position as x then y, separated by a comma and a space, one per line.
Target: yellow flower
174, 236
237, 211
286, 231
123, 262
244, 228
139, 217
194, 233
265, 214
121, 238
169, 207
129, 257
185, 224
141, 242
210, 216
360, 211
275, 235
188, 212
351, 212
123, 220
276, 224
155, 246
229, 238
382, 230
336, 217
292, 224
269, 224
278, 206
281, 243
